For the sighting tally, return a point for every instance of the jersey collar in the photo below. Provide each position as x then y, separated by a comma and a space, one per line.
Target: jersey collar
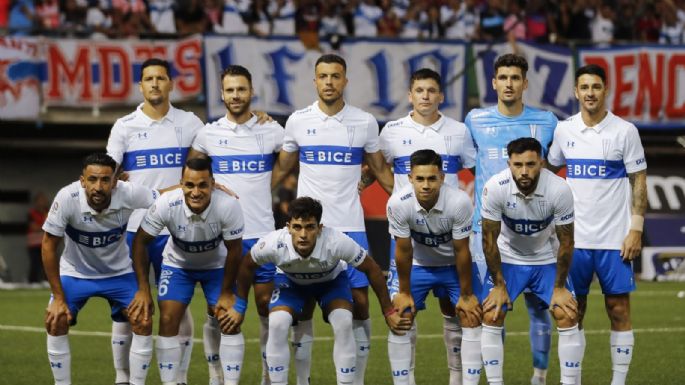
170, 116
323, 116
439, 205
421, 128
599, 126
540, 189
233, 126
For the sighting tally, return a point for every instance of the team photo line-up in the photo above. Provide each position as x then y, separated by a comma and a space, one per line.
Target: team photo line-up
194, 201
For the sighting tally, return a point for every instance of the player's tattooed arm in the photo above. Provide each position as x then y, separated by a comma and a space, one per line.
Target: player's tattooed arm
565, 254
633, 241
638, 185
491, 230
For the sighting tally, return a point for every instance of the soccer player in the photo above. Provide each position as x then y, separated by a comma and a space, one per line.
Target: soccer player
492, 128
206, 229
313, 261
331, 139
523, 208
243, 154
431, 223
425, 127
93, 213
606, 170
151, 145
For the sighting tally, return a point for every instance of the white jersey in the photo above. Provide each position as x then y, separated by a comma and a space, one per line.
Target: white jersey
527, 235
598, 160
152, 152
284, 22
448, 137
431, 231
331, 255
95, 245
242, 158
331, 150
196, 241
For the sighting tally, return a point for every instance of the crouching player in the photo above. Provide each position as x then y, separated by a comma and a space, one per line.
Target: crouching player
313, 260
205, 245
431, 224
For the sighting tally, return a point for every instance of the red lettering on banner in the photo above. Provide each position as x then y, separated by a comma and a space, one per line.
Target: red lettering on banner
622, 87
77, 75
108, 56
647, 85
673, 111
23, 45
144, 52
186, 61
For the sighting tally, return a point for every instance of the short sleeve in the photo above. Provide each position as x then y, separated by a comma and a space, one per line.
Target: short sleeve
279, 134
491, 207
349, 251
233, 224
548, 130
154, 220
398, 226
142, 197
563, 207
556, 156
468, 153
116, 143
57, 219
263, 251
371, 144
634, 153
384, 144
200, 141
463, 218
289, 138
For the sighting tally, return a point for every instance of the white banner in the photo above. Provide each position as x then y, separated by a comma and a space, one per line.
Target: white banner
19, 78
378, 73
550, 76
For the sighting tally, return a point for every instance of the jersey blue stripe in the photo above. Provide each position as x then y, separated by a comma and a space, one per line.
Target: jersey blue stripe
595, 169
199, 246
526, 226
242, 164
95, 239
335, 155
171, 157
430, 240
451, 164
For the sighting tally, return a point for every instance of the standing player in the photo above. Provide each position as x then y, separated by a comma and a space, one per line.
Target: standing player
523, 208
93, 213
312, 259
426, 128
331, 139
151, 145
431, 223
492, 128
243, 154
606, 170
206, 228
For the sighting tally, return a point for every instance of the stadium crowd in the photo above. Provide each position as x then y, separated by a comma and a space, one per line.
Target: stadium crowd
556, 21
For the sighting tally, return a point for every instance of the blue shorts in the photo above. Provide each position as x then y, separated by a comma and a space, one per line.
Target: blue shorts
615, 275
538, 278
177, 284
118, 291
356, 277
443, 280
265, 273
154, 251
288, 293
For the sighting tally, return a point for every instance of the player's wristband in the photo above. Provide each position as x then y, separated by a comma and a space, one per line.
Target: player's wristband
390, 312
240, 305
637, 222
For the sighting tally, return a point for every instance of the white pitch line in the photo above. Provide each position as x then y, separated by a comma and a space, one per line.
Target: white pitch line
32, 329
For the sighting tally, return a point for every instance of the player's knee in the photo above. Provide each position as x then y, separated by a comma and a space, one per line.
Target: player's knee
142, 327
618, 311
360, 306
562, 319
493, 318
58, 327
279, 323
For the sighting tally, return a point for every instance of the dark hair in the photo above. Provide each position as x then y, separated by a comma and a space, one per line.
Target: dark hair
236, 70
591, 69
100, 159
425, 158
305, 208
511, 60
331, 58
425, 73
521, 145
199, 164
155, 62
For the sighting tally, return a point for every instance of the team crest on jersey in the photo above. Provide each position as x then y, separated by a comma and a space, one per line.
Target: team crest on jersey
542, 205
214, 227
55, 207
445, 222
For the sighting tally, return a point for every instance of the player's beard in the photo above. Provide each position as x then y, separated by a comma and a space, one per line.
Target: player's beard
531, 187
237, 112
330, 100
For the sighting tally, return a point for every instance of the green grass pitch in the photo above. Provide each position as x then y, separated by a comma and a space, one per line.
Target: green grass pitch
658, 320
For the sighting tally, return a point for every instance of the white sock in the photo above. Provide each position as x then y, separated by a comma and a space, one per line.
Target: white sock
362, 338
232, 351
414, 331
570, 354
399, 354
470, 355
211, 338
303, 336
139, 358
277, 352
263, 337
492, 349
582, 355
451, 333
344, 346
121, 344
59, 355
185, 340
621, 355
168, 358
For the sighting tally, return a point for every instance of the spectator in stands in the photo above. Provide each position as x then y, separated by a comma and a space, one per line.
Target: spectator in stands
47, 13
191, 18
581, 16
366, 18
258, 19
602, 26
332, 28
231, 18
671, 31
99, 19
419, 21
34, 236
539, 21
307, 22
22, 17
515, 23
389, 25
460, 19
129, 18
492, 21
162, 15
648, 25
283, 16
624, 26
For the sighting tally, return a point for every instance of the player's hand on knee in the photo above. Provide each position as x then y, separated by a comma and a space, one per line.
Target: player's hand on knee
230, 321
562, 300
496, 300
57, 317
632, 244
396, 322
141, 307
469, 311
403, 302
